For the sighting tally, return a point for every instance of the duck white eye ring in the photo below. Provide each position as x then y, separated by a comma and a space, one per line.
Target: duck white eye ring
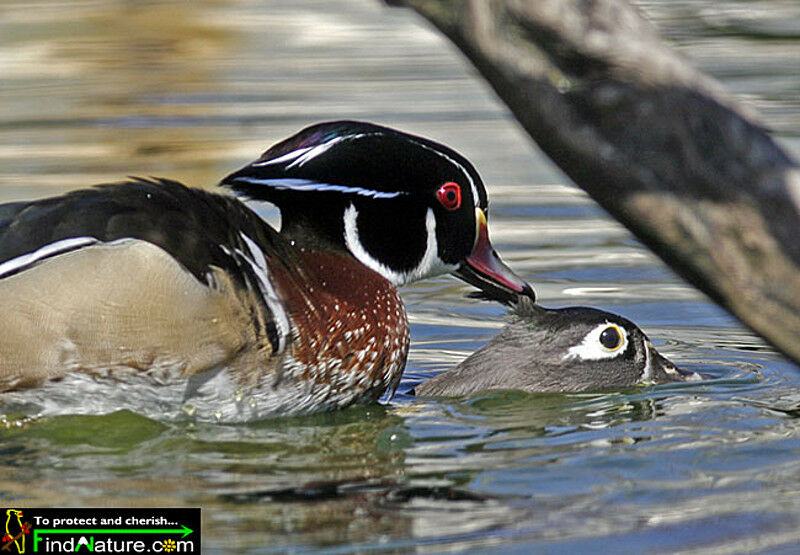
605, 341
611, 338
449, 196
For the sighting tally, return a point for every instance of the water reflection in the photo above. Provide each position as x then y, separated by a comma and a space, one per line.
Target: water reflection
86, 85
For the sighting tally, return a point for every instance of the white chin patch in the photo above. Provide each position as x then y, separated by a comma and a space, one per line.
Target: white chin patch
591, 348
429, 265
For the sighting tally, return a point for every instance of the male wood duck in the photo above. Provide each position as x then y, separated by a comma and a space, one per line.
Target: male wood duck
188, 287
574, 349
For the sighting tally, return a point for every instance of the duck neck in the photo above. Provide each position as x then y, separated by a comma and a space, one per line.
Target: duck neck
314, 230
345, 312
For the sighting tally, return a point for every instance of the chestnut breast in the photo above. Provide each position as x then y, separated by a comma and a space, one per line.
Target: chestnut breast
351, 328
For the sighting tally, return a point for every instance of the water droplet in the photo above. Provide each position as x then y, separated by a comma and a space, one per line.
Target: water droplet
393, 439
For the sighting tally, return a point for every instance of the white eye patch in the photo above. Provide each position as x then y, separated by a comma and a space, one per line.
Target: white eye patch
592, 348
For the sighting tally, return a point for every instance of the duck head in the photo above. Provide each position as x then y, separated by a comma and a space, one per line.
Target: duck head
404, 206
574, 349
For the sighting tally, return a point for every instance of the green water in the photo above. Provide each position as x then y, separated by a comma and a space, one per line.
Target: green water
97, 90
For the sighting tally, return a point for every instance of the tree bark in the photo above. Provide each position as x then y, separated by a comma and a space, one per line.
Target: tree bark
655, 142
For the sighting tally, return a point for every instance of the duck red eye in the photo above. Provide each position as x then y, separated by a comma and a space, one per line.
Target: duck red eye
449, 196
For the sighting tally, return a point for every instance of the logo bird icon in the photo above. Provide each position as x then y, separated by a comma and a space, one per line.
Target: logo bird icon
14, 529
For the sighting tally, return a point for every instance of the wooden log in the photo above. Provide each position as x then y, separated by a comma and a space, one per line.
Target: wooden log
656, 143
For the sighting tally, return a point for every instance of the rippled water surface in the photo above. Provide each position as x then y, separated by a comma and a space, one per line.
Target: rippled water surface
97, 90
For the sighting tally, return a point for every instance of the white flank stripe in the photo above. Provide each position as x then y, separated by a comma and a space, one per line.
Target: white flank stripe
53, 249
259, 265
309, 185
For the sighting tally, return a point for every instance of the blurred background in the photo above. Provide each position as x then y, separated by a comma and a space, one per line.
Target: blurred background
97, 90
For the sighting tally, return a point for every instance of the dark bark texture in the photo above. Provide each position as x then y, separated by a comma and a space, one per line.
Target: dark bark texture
655, 142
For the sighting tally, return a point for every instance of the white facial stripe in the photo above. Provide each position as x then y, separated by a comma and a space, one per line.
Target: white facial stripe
309, 185
321, 148
353, 243
316, 151
304, 154
591, 348
429, 265
259, 265
472, 185
649, 371
285, 158
53, 249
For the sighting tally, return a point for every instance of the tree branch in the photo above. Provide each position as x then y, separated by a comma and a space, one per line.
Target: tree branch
655, 142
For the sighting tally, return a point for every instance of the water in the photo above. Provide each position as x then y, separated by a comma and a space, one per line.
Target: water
95, 91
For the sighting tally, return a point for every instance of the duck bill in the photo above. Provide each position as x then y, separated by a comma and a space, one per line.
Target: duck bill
484, 269
664, 371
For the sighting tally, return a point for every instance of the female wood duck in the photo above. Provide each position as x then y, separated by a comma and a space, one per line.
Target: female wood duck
192, 288
573, 349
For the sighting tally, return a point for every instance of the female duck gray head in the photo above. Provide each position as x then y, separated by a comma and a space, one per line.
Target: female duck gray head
573, 349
